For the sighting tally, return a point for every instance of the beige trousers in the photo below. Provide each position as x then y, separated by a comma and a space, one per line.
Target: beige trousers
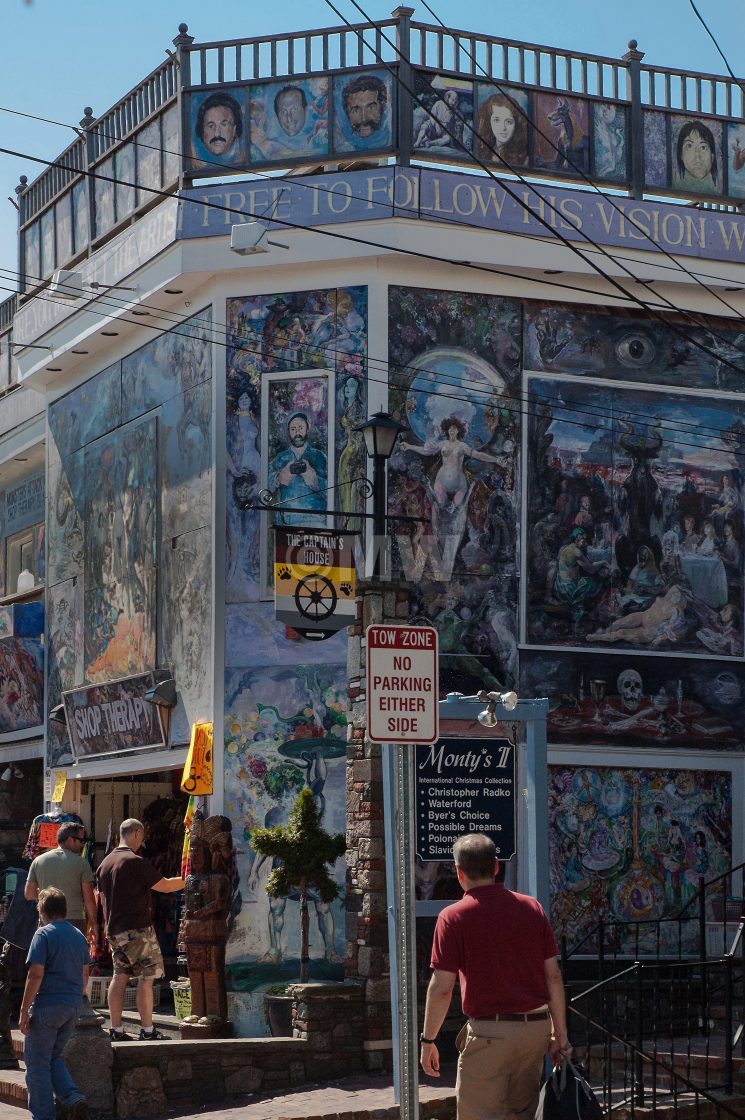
500, 1068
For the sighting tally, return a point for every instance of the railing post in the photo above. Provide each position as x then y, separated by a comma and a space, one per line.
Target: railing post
702, 917
601, 950
728, 1023
405, 110
87, 123
638, 1062
633, 58
182, 42
21, 196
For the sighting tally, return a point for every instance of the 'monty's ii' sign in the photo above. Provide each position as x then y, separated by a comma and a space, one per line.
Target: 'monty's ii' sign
402, 684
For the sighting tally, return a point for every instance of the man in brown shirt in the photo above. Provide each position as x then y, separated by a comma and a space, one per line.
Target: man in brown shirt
125, 880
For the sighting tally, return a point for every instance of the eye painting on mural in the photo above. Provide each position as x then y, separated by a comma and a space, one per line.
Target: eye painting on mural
279, 335
629, 846
285, 730
635, 508
455, 367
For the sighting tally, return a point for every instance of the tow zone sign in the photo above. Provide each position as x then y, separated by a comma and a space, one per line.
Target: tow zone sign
402, 666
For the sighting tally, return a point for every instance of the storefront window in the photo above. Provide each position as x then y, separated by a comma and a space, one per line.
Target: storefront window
24, 554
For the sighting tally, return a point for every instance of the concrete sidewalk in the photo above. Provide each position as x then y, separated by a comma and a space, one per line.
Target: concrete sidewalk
353, 1098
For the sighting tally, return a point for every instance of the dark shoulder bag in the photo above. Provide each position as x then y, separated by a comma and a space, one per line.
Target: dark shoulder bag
567, 1096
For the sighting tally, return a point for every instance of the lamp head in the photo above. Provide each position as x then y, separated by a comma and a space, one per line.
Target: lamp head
58, 714
163, 695
380, 432
488, 718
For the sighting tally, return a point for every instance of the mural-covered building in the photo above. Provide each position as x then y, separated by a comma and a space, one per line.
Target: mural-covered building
572, 470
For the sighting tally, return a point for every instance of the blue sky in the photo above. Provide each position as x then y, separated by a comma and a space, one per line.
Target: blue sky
62, 56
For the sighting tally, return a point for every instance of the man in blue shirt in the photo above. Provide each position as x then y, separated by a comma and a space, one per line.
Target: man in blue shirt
298, 476
58, 973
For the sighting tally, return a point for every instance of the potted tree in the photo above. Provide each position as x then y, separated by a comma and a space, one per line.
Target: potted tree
304, 850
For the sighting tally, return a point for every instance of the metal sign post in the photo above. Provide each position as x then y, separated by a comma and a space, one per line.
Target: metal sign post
399, 780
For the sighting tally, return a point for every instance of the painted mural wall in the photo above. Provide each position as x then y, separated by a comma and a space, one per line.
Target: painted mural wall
128, 513
628, 481
295, 390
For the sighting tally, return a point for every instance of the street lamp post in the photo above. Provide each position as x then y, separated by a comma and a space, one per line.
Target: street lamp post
380, 432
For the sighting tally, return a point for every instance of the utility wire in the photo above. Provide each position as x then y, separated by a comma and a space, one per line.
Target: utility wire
726, 436
579, 170
222, 338
719, 50
572, 246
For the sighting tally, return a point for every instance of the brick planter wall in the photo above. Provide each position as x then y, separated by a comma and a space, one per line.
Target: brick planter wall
366, 913
327, 1027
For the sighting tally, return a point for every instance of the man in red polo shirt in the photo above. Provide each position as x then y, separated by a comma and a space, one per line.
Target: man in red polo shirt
501, 946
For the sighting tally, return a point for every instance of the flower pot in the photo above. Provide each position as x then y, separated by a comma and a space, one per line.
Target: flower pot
278, 1010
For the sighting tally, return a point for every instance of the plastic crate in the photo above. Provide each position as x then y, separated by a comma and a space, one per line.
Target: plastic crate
98, 989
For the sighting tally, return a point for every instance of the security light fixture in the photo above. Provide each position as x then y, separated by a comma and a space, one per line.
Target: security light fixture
58, 714
163, 695
247, 238
488, 718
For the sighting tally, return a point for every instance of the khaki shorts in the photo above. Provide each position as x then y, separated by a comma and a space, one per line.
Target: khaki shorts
136, 952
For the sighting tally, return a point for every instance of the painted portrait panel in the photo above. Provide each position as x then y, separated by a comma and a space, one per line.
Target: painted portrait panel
696, 155
186, 460
559, 338
48, 257
168, 365
105, 194
285, 730
32, 258
641, 702
218, 131
636, 523
655, 150
502, 125
736, 160
454, 369
561, 137
443, 115
21, 683
65, 517
81, 220
86, 413
609, 141
120, 549
124, 167
268, 334
185, 622
289, 119
363, 111
172, 146
629, 846
147, 147
298, 451
63, 219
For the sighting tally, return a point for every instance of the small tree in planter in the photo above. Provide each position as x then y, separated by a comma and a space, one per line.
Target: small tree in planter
305, 850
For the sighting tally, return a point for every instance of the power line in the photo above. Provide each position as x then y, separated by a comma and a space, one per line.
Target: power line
575, 167
384, 367
539, 217
719, 50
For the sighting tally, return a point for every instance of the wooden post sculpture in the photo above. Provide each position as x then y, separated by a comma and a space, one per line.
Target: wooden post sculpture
204, 926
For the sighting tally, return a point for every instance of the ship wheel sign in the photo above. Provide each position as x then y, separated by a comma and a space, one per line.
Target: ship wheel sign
314, 580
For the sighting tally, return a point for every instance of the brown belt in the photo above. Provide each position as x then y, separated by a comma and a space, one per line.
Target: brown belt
517, 1017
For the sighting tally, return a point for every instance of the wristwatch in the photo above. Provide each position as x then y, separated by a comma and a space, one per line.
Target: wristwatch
429, 1041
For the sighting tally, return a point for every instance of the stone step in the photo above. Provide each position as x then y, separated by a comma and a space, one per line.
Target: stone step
13, 1091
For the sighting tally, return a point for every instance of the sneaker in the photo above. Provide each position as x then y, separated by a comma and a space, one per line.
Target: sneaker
153, 1036
119, 1036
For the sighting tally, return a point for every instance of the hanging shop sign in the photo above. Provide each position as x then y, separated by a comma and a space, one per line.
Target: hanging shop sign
465, 785
60, 781
314, 580
106, 719
402, 684
197, 777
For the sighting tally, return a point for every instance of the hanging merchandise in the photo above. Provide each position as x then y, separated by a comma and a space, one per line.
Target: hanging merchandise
186, 850
43, 831
197, 776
